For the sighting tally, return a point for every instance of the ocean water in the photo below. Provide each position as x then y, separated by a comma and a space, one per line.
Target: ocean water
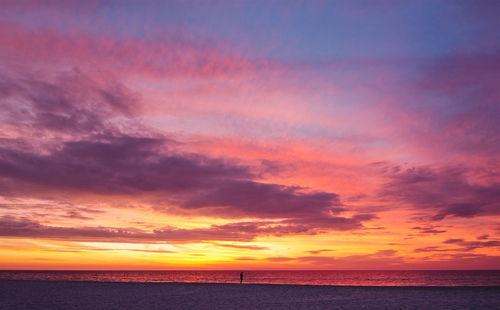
340, 278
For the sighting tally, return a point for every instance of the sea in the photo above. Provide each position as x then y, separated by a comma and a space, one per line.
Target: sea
296, 277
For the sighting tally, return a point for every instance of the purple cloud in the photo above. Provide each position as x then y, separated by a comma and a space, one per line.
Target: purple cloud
138, 165
23, 227
262, 199
445, 191
68, 104
432, 249
93, 154
239, 231
472, 245
90, 142
428, 230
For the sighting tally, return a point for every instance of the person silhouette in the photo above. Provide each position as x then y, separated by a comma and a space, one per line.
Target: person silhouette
241, 277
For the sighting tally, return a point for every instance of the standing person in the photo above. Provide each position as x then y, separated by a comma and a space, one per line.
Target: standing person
241, 277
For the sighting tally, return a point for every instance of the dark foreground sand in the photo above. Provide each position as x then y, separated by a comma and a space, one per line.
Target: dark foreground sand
104, 295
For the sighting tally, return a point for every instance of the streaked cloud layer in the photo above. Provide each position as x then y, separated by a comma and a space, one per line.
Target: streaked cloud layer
249, 135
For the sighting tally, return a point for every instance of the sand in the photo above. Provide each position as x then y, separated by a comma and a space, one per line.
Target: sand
22, 294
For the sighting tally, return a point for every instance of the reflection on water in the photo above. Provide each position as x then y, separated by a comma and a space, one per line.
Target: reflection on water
357, 278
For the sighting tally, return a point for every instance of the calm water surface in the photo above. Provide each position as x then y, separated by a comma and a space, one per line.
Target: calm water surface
357, 278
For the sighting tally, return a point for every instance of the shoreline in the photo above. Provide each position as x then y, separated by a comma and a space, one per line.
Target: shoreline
39, 294
254, 284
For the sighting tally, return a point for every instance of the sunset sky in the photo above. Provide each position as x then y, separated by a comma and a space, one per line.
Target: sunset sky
250, 134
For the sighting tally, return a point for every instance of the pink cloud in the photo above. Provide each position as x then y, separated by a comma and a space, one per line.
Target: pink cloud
170, 58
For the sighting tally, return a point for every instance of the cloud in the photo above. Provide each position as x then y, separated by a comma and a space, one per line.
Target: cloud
168, 54
428, 230
385, 253
463, 246
264, 200
24, 227
91, 142
93, 154
245, 258
432, 249
319, 251
239, 246
72, 214
453, 241
13, 227
317, 260
332, 222
139, 166
382, 258
108, 160
444, 191
69, 103
472, 245
279, 259
50, 209
237, 231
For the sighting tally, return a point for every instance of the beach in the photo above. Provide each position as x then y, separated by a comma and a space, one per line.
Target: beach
27, 294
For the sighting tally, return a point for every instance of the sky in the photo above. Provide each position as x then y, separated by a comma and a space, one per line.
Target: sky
144, 135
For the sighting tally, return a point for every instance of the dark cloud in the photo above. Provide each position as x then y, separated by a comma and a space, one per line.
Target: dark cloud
428, 230
461, 245
472, 245
262, 199
331, 222
144, 166
122, 164
453, 241
432, 249
72, 214
444, 191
